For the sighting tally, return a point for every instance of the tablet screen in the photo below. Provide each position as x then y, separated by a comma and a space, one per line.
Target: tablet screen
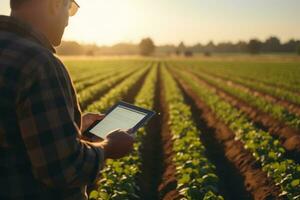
120, 117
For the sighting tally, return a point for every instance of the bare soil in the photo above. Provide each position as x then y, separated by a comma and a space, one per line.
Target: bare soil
255, 181
152, 153
167, 188
290, 106
289, 137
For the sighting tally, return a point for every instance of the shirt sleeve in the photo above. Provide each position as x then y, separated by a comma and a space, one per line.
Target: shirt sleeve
49, 132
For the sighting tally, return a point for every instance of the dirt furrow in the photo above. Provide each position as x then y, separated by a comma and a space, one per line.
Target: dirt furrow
231, 182
167, 188
255, 180
289, 137
152, 153
290, 106
98, 95
129, 97
283, 87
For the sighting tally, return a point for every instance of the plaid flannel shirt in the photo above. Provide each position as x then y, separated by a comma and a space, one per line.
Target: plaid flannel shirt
41, 156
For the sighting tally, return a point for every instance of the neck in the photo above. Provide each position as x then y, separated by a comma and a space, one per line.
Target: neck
29, 19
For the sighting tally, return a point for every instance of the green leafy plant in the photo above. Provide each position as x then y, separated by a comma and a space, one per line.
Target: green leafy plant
262, 145
194, 172
117, 92
118, 180
277, 111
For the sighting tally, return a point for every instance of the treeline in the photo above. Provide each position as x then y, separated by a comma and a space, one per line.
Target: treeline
74, 48
253, 46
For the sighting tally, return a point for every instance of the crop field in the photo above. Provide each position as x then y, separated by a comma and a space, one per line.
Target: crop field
224, 129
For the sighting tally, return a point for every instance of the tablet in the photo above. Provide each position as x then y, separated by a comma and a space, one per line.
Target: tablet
121, 116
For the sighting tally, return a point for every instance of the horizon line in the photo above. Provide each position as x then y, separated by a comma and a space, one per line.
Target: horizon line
186, 44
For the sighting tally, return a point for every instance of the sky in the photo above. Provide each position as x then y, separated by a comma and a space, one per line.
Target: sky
107, 22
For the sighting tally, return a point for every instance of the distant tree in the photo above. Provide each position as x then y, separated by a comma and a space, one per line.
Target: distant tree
210, 47
146, 47
272, 44
225, 47
241, 46
197, 48
298, 50
188, 53
211, 44
181, 48
254, 46
70, 48
290, 46
177, 52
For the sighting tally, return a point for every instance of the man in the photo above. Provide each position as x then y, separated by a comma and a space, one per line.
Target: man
42, 153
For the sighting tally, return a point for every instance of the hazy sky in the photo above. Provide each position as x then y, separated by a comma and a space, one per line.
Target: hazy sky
171, 21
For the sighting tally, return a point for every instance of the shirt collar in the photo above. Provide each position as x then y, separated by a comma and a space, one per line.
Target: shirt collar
12, 24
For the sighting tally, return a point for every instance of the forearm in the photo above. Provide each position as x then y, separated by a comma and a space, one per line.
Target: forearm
79, 168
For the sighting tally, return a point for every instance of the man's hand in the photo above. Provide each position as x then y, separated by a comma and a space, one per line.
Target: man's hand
117, 144
89, 118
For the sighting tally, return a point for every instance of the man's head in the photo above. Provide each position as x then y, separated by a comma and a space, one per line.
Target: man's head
51, 17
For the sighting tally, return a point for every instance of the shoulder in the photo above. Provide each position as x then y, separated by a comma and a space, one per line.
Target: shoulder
39, 57
25, 53
21, 59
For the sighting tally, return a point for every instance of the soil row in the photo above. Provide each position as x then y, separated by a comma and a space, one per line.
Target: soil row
289, 137
290, 106
240, 175
89, 76
246, 169
129, 97
167, 188
99, 94
157, 179
152, 153
280, 86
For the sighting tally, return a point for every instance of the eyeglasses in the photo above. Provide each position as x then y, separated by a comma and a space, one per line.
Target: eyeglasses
73, 8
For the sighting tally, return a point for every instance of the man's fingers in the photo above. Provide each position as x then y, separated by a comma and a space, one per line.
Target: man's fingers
93, 116
119, 143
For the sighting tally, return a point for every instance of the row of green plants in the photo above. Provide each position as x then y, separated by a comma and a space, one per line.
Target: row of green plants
88, 94
116, 93
278, 92
82, 70
95, 72
275, 110
285, 74
118, 180
196, 178
83, 85
266, 149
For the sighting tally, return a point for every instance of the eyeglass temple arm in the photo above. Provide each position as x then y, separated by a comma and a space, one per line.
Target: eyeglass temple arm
76, 3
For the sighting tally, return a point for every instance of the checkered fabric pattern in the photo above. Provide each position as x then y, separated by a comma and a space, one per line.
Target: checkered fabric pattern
41, 156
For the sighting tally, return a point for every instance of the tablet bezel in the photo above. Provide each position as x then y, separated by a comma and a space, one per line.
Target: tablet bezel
148, 116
